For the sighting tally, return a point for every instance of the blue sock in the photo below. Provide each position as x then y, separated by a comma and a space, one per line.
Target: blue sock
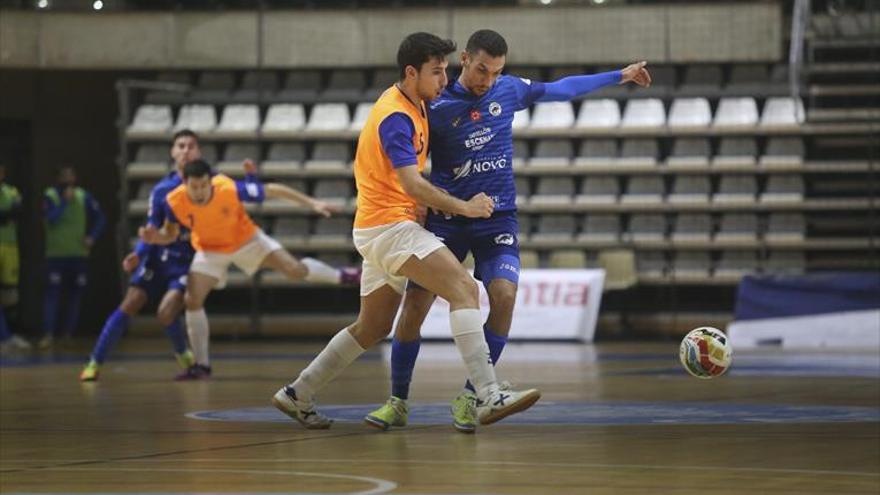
496, 345
114, 327
50, 308
403, 360
175, 332
4, 328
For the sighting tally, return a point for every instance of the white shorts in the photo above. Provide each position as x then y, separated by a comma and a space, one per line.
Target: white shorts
248, 258
386, 248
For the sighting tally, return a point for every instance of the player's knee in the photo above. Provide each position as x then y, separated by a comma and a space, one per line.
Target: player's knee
132, 303
465, 292
504, 295
166, 315
191, 303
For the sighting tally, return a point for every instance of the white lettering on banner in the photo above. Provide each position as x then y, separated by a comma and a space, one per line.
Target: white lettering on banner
550, 304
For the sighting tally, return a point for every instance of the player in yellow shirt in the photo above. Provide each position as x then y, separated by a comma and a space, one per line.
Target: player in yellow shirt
392, 150
221, 231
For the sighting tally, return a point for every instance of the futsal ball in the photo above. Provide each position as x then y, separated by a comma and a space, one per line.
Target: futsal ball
705, 352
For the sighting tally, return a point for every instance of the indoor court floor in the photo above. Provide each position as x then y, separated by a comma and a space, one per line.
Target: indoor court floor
616, 418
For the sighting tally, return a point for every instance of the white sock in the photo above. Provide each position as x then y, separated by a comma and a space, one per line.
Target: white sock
339, 353
199, 335
467, 330
321, 272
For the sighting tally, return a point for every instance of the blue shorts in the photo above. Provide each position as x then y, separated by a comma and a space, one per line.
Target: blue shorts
67, 272
156, 277
493, 241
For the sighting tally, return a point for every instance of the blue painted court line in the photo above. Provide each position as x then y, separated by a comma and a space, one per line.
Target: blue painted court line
589, 413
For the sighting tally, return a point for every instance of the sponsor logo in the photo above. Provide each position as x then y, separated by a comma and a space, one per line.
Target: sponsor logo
495, 108
527, 81
456, 122
475, 115
478, 167
479, 139
505, 239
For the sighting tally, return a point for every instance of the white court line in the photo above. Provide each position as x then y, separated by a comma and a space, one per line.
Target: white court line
381, 486
476, 463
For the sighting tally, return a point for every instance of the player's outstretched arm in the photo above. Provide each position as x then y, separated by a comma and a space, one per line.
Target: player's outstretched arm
280, 191
636, 73
568, 88
479, 206
164, 236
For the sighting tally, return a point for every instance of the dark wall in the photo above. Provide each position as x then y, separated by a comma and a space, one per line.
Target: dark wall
48, 118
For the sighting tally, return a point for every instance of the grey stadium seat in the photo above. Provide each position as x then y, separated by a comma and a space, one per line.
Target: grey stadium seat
300, 86
738, 227
663, 81
651, 263
691, 264
690, 189
747, 80
598, 190
345, 85
329, 155
639, 152
692, 227
644, 189
332, 231
647, 227
552, 153
785, 263
701, 80
523, 190
553, 190
784, 151
735, 264
736, 189
593, 152
338, 192
555, 228
257, 86
603, 228
783, 188
786, 227
690, 152
295, 229
736, 151
152, 153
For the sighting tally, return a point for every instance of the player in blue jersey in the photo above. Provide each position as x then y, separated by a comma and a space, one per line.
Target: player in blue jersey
157, 272
471, 138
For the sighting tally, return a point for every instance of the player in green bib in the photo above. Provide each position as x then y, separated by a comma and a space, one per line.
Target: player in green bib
10, 206
73, 221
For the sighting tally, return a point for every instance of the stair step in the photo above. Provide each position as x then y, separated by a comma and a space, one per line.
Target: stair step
844, 89
842, 67
842, 114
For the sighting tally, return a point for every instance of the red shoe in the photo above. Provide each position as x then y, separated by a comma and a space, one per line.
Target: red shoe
194, 372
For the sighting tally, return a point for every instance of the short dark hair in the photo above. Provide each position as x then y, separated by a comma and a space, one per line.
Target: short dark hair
419, 48
196, 168
184, 133
489, 41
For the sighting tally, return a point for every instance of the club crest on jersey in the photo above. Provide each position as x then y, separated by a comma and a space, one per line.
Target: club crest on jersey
495, 108
456, 122
504, 239
475, 115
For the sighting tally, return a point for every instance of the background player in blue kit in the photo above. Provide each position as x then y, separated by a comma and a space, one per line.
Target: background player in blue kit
157, 271
471, 138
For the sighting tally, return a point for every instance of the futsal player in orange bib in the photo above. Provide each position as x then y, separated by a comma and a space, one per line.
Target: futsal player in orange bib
212, 207
391, 154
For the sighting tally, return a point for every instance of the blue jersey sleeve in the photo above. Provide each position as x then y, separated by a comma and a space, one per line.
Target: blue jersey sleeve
51, 209
95, 216
168, 213
527, 91
571, 87
156, 210
250, 190
396, 133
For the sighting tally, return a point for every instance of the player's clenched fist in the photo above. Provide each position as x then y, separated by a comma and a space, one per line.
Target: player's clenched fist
480, 206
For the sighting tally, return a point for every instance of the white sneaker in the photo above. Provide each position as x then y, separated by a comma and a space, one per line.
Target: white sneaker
13, 345
503, 403
303, 412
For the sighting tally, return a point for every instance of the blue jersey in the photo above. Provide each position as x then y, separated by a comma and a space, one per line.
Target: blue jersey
180, 252
472, 139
